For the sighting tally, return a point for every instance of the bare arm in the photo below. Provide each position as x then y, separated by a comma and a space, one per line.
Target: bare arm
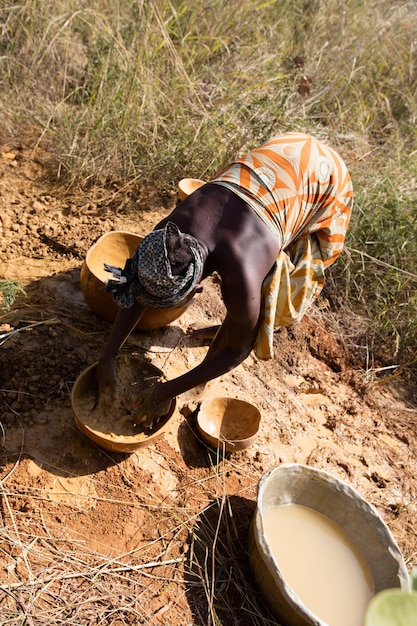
123, 325
232, 343
229, 348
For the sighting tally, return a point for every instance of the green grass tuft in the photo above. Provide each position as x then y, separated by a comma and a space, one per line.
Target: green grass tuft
9, 290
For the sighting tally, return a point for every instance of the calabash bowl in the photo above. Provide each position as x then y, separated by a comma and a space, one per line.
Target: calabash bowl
229, 424
84, 390
114, 248
187, 186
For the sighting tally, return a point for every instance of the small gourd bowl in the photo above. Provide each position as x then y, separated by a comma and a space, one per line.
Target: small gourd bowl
229, 424
114, 248
82, 391
187, 186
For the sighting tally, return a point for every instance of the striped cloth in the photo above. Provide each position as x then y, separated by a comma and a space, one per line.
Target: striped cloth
303, 191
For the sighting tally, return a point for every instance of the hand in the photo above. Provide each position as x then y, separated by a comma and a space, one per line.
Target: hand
151, 408
106, 381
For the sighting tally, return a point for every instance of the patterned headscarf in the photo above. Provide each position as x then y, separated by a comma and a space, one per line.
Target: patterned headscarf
148, 275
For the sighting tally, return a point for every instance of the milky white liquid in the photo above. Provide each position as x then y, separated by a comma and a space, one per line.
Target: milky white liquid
321, 564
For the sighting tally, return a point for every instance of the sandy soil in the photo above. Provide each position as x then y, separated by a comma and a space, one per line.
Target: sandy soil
159, 536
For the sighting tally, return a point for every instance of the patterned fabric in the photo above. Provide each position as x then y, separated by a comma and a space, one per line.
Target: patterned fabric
148, 275
303, 191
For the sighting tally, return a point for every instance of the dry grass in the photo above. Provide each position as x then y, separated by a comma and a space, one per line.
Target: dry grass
154, 89
50, 577
62, 582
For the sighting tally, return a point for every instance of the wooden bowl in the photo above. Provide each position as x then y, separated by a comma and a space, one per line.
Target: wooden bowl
187, 186
84, 390
114, 248
228, 423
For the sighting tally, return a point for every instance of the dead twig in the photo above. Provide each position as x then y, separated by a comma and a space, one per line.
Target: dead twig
20, 604
5, 336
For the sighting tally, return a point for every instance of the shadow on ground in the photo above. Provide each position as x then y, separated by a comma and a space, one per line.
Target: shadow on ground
220, 588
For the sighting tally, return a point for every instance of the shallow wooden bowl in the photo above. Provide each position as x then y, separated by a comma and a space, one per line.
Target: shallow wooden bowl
228, 423
187, 186
114, 248
84, 388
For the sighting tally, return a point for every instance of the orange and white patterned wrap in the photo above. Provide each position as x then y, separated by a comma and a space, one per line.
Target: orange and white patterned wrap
303, 191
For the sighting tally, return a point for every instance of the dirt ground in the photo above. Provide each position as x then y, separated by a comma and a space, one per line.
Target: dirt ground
159, 536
